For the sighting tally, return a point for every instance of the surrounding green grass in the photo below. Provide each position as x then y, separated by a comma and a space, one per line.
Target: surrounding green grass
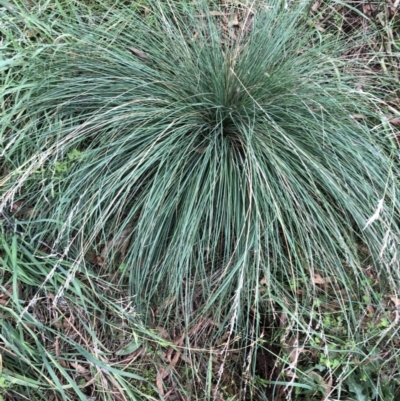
76, 347
199, 201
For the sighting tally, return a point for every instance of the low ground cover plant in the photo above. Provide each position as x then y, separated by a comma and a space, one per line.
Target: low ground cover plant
227, 170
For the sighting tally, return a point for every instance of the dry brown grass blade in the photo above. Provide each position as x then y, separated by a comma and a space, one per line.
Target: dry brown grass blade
137, 52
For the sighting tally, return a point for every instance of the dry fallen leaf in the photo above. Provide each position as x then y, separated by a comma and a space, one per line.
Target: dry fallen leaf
137, 52
5, 297
163, 333
175, 359
368, 9
282, 319
79, 367
315, 6
16, 206
395, 121
396, 301
62, 363
318, 279
319, 27
178, 342
159, 381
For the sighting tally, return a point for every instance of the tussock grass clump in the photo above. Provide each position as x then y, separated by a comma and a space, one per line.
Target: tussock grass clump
222, 170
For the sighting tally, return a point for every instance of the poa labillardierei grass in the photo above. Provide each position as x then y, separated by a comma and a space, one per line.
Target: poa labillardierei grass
222, 172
